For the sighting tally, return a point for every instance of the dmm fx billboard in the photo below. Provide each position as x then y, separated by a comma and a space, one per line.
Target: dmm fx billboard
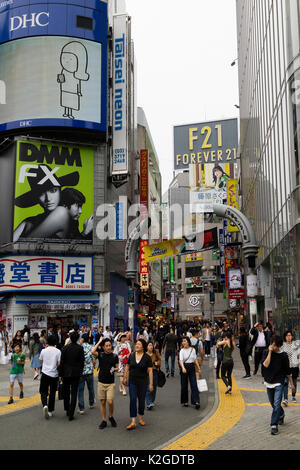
208, 142
53, 64
53, 192
41, 273
119, 166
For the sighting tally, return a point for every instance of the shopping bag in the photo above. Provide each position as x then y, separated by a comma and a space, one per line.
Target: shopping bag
161, 379
60, 391
202, 385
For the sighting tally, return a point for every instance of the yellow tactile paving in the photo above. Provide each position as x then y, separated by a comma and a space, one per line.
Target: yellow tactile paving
20, 404
230, 410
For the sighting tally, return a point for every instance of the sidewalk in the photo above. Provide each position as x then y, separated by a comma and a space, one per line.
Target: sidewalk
241, 421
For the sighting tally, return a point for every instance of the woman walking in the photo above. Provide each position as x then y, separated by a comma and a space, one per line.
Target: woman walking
188, 365
34, 354
227, 362
123, 351
156, 362
138, 370
17, 339
292, 349
245, 350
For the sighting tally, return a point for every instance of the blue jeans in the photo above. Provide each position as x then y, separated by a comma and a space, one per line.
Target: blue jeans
167, 355
137, 392
275, 398
150, 396
89, 379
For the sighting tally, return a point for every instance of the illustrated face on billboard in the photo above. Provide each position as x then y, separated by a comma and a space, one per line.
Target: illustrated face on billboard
53, 192
50, 80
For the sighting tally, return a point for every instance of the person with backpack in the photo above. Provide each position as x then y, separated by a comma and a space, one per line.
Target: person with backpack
170, 347
198, 345
16, 372
34, 354
156, 361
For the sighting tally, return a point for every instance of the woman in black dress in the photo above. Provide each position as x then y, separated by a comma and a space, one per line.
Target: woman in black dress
137, 371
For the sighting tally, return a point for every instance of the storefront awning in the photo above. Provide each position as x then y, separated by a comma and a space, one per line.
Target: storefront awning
58, 299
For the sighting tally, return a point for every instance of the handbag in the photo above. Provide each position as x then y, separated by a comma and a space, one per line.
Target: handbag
161, 378
202, 385
60, 391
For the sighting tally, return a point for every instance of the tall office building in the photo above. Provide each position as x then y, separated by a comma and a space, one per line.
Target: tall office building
269, 82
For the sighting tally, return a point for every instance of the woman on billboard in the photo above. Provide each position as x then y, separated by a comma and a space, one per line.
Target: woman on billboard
54, 222
62, 209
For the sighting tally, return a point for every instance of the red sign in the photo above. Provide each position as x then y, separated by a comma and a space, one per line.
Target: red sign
236, 294
144, 184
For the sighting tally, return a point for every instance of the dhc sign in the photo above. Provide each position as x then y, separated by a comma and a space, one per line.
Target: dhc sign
31, 20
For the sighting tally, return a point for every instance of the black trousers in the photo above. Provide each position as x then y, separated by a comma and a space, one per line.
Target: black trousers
47, 383
70, 390
226, 372
245, 359
219, 362
258, 355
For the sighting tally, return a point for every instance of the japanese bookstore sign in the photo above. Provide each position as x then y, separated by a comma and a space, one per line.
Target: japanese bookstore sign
208, 142
54, 192
41, 273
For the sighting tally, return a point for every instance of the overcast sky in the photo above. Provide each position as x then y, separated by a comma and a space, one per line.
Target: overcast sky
184, 52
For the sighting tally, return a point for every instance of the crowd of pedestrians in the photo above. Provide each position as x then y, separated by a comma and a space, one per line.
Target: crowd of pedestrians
68, 363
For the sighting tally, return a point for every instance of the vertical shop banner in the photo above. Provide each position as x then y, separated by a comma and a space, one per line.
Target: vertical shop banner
144, 184
144, 267
208, 185
222, 257
54, 192
120, 96
232, 200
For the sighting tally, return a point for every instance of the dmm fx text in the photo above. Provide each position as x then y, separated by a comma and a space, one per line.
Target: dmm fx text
119, 83
29, 21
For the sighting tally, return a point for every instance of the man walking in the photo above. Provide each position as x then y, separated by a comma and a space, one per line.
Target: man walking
108, 365
275, 368
87, 374
261, 342
170, 347
50, 359
71, 368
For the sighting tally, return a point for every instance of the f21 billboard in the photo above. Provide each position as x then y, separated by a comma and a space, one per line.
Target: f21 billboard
207, 142
53, 65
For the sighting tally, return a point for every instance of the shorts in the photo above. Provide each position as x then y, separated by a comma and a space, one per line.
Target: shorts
19, 377
106, 391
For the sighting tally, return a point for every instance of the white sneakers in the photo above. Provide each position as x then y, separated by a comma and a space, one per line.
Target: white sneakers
46, 412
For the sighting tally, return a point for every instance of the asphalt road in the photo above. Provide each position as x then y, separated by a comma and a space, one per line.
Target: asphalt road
27, 429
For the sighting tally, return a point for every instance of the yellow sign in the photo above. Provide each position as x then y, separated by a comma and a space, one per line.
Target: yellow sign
232, 200
163, 250
194, 257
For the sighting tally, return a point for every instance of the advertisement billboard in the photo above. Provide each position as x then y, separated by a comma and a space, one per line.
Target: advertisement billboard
120, 98
51, 81
53, 192
207, 142
42, 273
208, 185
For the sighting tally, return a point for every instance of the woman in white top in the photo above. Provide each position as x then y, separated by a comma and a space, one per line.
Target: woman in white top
188, 364
292, 348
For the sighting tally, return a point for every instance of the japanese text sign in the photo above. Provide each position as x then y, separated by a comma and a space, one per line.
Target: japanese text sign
35, 273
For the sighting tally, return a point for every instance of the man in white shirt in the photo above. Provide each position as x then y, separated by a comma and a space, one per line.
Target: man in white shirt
50, 358
107, 333
261, 342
